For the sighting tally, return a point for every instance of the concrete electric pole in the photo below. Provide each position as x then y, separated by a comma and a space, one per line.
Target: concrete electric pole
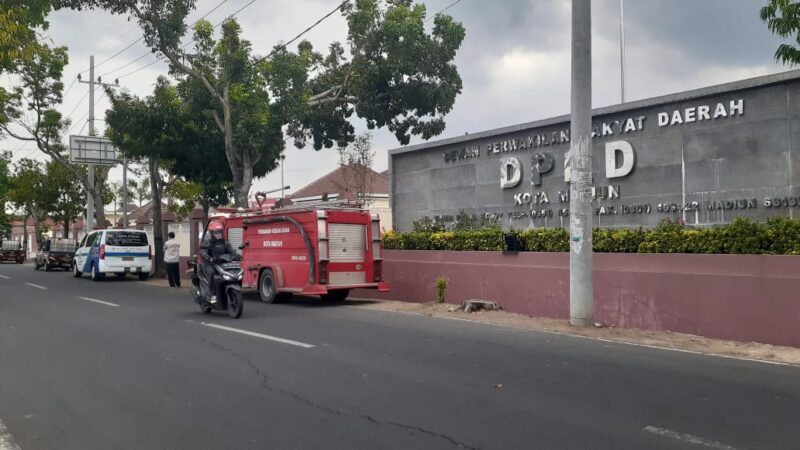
89, 225
622, 50
581, 289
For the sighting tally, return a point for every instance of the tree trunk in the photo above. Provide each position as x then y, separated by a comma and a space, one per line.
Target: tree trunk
205, 203
158, 232
241, 165
66, 229
99, 206
25, 233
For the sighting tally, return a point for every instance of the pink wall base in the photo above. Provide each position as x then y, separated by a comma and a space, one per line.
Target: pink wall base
737, 297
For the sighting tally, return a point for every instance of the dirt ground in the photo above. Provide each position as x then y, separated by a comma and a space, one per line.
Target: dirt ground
664, 339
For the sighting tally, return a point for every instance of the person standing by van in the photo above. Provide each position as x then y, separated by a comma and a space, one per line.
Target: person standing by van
172, 258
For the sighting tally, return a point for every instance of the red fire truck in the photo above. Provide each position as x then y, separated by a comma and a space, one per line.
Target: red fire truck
324, 250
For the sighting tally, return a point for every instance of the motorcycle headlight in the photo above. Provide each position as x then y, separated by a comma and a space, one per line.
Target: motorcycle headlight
227, 276
241, 274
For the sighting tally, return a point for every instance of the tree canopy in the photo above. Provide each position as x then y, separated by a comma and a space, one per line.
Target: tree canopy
393, 73
783, 18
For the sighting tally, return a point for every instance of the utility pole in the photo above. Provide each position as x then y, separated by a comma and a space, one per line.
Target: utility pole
622, 49
89, 224
90, 168
581, 289
124, 191
283, 157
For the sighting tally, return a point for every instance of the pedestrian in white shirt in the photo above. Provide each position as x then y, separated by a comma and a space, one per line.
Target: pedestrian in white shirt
172, 258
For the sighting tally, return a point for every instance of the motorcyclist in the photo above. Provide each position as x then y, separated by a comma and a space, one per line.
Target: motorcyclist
214, 247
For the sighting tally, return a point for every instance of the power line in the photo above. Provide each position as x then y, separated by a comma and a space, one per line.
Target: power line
150, 52
117, 54
79, 103
281, 47
140, 68
448, 7
74, 124
74, 80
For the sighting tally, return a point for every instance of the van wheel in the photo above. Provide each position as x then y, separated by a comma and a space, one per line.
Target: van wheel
336, 296
121, 276
144, 276
96, 276
266, 287
75, 272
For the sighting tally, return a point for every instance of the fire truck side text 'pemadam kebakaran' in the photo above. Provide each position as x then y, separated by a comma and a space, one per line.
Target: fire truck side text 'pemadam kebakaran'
316, 250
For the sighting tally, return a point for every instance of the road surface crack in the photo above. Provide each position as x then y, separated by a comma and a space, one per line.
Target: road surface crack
265, 384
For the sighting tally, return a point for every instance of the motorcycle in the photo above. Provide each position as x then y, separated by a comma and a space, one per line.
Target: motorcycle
229, 295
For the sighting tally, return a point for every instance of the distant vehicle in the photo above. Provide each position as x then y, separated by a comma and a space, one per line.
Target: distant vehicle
322, 249
55, 254
118, 252
11, 251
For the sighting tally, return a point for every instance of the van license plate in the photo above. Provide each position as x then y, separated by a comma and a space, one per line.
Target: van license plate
127, 258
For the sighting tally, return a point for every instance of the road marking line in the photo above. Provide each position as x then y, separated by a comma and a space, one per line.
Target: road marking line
590, 338
36, 286
259, 335
3, 276
688, 438
98, 301
6, 440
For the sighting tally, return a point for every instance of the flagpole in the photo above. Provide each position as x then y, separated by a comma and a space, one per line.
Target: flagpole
622, 49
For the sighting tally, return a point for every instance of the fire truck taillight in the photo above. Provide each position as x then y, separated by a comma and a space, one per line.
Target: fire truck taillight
323, 272
378, 271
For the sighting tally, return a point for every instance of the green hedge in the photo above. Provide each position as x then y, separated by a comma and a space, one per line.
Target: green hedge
779, 236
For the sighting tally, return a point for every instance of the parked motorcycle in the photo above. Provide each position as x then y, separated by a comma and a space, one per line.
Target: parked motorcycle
229, 295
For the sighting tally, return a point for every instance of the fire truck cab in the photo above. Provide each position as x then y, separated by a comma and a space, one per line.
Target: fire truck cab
313, 250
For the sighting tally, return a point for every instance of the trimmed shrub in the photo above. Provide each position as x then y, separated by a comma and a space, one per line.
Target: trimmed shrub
779, 236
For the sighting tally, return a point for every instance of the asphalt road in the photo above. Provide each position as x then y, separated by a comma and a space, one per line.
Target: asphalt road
77, 372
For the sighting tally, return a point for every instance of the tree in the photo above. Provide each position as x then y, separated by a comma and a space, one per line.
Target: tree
783, 18
399, 76
39, 96
27, 195
63, 199
19, 20
355, 161
142, 190
147, 130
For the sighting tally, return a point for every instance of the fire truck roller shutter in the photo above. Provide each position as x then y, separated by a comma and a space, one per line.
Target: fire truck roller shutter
312, 273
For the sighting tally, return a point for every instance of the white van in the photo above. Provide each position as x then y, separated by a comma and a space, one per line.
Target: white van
119, 252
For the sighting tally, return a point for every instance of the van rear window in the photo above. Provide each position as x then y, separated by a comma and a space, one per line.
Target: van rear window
126, 239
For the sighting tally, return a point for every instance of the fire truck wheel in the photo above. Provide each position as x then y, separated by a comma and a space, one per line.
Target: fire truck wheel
337, 296
266, 287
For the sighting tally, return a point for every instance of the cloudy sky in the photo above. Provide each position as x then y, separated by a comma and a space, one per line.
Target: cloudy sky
514, 60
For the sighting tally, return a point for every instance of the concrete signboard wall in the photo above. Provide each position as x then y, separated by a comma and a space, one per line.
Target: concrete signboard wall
703, 157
